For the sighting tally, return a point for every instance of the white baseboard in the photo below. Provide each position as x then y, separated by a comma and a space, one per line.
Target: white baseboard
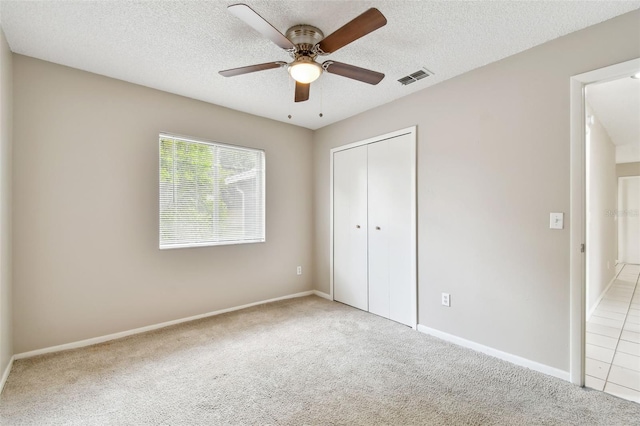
5, 375
595, 305
101, 339
514, 359
322, 294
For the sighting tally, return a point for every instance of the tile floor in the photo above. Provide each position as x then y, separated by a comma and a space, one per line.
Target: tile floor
613, 338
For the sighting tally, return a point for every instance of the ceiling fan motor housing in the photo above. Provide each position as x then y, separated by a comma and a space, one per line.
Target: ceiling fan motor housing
305, 37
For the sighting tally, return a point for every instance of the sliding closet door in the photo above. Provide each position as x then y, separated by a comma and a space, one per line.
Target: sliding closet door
392, 251
350, 227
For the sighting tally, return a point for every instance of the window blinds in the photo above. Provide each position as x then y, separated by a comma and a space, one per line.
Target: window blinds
210, 194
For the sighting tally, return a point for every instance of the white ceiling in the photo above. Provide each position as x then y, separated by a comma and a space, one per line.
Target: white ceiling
617, 105
179, 46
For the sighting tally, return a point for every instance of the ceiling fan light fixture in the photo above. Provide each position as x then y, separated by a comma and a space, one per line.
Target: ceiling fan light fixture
305, 70
305, 42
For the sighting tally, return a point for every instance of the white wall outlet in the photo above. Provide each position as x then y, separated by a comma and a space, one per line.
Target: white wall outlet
556, 220
446, 299
299, 270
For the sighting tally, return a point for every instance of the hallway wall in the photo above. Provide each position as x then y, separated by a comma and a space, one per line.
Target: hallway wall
602, 188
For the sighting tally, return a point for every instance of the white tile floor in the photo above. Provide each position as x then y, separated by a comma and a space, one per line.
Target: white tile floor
613, 338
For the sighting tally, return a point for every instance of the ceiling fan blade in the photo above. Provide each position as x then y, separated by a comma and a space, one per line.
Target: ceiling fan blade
351, 71
258, 23
251, 68
369, 21
302, 92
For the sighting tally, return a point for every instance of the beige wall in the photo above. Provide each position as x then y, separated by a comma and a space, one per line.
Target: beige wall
602, 190
6, 142
86, 257
628, 169
493, 162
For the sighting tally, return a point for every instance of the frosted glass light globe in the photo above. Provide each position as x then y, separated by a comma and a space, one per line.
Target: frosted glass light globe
305, 71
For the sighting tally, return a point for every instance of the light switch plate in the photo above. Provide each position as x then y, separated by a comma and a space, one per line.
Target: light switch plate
556, 220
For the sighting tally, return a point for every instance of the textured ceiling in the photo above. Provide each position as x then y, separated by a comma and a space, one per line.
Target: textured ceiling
617, 105
179, 46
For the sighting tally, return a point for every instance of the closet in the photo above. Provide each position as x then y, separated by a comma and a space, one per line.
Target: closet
374, 225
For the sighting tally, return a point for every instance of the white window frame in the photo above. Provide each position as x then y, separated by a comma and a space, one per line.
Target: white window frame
166, 135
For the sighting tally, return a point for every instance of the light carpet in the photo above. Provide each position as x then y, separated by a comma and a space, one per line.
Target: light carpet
299, 361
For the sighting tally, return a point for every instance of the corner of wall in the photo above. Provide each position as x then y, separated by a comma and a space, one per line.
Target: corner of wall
6, 153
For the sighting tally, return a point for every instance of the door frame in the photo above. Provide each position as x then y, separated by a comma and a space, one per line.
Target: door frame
414, 210
577, 261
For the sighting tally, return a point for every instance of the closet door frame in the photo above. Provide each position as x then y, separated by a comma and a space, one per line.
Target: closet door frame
414, 210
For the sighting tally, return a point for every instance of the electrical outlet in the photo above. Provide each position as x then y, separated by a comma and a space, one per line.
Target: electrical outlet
299, 270
446, 299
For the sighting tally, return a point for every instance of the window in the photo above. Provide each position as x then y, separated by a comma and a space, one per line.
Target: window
210, 194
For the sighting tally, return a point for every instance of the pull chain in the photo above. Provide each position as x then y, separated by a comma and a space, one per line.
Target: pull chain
321, 80
291, 88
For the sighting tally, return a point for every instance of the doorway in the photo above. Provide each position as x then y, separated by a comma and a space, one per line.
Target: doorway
605, 302
629, 219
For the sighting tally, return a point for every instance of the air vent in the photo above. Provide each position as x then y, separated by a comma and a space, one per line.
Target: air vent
412, 78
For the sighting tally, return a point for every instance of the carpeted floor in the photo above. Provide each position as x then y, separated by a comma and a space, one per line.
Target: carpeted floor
300, 361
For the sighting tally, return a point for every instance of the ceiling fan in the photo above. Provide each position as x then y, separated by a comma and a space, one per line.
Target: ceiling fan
305, 43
